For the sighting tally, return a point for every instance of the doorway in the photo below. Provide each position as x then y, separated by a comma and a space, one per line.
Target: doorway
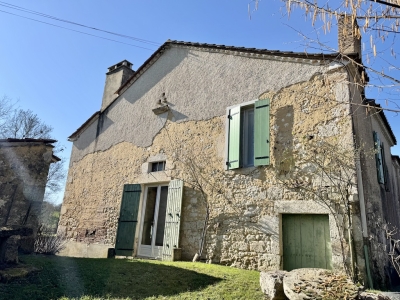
151, 236
306, 241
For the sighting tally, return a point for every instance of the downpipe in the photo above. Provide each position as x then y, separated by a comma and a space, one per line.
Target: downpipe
363, 217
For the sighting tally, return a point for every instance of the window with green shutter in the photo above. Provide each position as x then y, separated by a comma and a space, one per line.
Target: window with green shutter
381, 167
385, 169
248, 135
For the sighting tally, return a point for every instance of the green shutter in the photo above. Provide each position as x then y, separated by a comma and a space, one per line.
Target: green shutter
385, 169
127, 220
261, 133
234, 138
378, 158
172, 219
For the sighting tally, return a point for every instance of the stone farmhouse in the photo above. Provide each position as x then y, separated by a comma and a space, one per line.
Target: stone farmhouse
246, 157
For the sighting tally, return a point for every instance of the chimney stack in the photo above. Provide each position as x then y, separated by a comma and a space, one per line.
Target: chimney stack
349, 35
116, 76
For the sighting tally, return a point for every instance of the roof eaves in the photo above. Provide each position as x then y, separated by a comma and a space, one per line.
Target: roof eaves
140, 70
89, 121
261, 51
168, 43
55, 158
381, 113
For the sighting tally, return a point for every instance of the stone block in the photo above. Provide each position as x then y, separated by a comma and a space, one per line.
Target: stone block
268, 262
257, 246
27, 244
241, 246
272, 284
371, 296
311, 283
11, 251
176, 254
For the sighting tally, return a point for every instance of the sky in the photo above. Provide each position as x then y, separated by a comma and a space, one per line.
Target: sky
59, 74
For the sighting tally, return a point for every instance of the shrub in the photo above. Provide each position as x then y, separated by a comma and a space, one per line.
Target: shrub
47, 243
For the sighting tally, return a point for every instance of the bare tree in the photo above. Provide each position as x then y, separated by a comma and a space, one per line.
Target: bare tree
6, 109
378, 22
25, 124
57, 173
394, 248
49, 217
203, 174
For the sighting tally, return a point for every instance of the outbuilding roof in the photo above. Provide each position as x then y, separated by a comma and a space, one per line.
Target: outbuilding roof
28, 141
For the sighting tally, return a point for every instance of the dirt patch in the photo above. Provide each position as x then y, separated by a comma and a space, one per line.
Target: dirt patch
15, 272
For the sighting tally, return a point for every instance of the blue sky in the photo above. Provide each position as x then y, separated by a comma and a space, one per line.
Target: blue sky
59, 74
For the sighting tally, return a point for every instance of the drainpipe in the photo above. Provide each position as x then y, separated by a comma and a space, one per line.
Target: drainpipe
363, 217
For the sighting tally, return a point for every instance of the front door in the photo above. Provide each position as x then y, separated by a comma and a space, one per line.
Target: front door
153, 222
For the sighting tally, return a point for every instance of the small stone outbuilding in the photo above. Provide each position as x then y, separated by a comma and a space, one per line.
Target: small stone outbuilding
24, 167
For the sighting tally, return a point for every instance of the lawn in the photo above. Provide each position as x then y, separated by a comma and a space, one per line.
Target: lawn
84, 278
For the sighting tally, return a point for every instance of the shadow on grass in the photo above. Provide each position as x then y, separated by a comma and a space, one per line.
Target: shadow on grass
103, 278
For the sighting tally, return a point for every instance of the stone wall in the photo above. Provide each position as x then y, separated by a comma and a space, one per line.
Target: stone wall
246, 205
381, 206
23, 174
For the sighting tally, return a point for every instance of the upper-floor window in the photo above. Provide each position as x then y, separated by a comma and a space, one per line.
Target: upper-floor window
248, 135
158, 166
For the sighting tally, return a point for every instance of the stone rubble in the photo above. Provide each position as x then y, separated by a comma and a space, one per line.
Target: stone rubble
312, 284
272, 284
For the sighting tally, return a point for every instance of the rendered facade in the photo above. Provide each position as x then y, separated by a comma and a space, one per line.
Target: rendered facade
257, 159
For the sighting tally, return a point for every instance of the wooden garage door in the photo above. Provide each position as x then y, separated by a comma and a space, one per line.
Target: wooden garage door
306, 242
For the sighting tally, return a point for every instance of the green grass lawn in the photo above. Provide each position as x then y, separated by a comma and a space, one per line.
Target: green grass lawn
84, 278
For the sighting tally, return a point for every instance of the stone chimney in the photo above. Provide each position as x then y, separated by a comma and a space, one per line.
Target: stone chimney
116, 76
349, 35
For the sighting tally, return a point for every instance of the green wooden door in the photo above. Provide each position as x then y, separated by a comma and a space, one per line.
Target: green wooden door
172, 219
128, 220
306, 242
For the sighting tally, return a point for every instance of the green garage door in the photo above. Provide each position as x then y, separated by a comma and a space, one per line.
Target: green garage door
306, 242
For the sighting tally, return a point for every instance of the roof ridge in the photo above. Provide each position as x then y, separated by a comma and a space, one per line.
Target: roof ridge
169, 42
